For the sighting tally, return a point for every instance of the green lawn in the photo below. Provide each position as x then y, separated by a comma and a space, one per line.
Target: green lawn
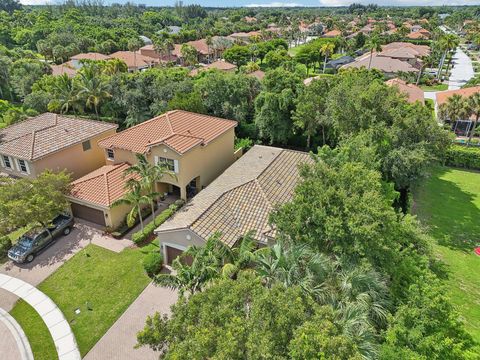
439, 87
99, 282
449, 204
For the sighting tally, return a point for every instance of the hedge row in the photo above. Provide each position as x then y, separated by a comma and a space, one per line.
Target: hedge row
463, 156
142, 236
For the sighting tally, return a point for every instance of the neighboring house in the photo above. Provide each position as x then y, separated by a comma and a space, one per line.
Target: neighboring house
135, 60
419, 35
387, 65
220, 65
332, 34
244, 37
54, 142
413, 92
259, 74
464, 126
205, 53
65, 68
238, 201
76, 60
197, 148
337, 63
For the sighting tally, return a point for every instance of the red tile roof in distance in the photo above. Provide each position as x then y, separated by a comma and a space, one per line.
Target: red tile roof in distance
178, 129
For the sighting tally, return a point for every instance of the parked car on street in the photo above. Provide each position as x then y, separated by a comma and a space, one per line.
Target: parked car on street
38, 239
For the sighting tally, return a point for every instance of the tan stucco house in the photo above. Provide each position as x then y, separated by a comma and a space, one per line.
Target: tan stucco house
53, 142
196, 147
238, 201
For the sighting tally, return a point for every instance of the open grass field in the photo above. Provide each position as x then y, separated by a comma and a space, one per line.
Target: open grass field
99, 282
449, 204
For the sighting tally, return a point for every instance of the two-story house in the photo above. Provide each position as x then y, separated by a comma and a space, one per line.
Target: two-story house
197, 148
53, 142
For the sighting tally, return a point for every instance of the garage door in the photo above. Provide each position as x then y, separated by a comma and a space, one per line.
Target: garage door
173, 253
86, 213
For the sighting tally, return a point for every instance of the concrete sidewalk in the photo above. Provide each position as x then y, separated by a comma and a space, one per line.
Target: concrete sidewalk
51, 315
119, 341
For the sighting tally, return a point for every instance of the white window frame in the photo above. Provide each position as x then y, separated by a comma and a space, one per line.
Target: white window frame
172, 164
108, 154
19, 167
4, 165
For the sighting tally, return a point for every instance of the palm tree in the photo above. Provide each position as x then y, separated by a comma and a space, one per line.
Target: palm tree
454, 109
149, 175
326, 49
169, 47
209, 42
373, 44
134, 45
473, 104
446, 43
240, 256
92, 87
427, 61
135, 198
66, 91
206, 265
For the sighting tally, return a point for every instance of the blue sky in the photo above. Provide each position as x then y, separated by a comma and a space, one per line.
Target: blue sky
269, 3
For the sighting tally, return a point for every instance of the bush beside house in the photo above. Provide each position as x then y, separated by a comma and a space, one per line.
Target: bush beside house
152, 263
463, 156
142, 236
5, 245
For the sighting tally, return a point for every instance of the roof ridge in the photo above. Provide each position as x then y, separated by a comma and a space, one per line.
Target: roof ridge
32, 149
169, 122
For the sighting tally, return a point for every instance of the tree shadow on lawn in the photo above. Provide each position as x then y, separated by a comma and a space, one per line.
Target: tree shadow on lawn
452, 216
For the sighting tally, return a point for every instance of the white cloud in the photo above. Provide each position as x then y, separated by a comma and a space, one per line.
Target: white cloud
275, 4
398, 2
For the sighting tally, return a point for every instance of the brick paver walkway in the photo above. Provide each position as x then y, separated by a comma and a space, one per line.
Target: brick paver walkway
119, 341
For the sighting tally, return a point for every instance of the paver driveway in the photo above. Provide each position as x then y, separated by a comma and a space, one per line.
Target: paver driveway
52, 258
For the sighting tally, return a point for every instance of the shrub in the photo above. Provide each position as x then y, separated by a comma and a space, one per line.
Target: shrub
152, 263
463, 156
5, 245
142, 236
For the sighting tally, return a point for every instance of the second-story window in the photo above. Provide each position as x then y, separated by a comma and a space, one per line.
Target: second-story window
86, 145
169, 163
22, 165
110, 154
6, 162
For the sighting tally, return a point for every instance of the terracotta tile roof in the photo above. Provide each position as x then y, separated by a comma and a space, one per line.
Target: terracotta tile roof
178, 129
200, 45
241, 199
418, 35
383, 63
90, 56
422, 50
442, 96
134, 60
259, 74
332, 33
414, 92
102, 186
65, 68
42, 135
221, 65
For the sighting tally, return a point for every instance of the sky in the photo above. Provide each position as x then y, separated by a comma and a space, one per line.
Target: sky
267, 3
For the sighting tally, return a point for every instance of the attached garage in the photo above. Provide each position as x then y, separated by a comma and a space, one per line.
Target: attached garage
87, 213
172, 253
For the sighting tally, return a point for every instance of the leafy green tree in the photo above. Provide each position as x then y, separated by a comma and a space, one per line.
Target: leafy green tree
374, 43
10, 6
275, 58
189, 55
238, 55
26, 201
473, 104
238, 319
326, 50
23, 74
427, 327
92, 88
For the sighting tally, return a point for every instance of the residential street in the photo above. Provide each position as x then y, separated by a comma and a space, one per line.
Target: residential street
462, 70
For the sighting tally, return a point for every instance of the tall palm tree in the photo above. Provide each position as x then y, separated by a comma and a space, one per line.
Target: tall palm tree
92, 87
134, 45
241, 256
149, 175
454, 109
135, 198
209, 42
473, 104
326, 49
446, 43
427, 61
374, 43
66, 91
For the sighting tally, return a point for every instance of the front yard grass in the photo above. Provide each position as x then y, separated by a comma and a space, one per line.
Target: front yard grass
99, 282
449, 204
438, 87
